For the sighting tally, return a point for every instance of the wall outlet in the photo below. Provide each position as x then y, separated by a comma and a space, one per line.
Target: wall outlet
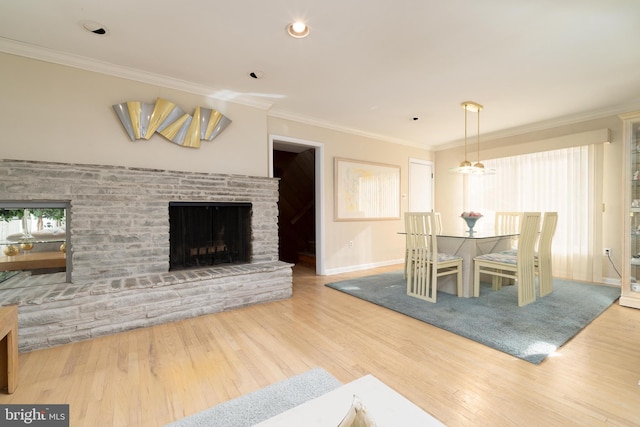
350, 243
607, 252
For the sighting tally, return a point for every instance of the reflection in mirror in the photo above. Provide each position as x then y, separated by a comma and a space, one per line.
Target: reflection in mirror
33, 241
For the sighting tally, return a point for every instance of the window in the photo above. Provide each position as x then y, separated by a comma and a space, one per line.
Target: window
559, 180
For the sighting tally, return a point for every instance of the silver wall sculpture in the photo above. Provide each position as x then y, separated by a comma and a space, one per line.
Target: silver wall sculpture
142, 120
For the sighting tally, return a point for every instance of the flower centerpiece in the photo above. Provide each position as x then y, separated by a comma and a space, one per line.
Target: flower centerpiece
470, 218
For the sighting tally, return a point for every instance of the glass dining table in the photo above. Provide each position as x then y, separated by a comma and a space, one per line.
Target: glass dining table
468, 246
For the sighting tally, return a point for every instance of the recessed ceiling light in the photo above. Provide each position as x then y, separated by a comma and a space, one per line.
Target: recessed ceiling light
95, 28
298, 29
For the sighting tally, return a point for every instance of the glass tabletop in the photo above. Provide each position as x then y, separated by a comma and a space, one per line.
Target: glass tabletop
18, 242
474, 234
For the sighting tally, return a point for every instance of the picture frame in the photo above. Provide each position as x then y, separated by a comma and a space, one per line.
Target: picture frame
365, 191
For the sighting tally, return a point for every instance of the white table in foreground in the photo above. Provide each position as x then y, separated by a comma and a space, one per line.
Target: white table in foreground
386, 407
469, 246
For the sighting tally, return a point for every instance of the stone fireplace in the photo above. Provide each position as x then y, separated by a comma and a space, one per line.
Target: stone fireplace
120, 249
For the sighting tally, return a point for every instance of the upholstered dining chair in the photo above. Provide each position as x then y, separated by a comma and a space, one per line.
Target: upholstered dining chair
542, 255
519, 267
424, 264
438, 223
508, 223
542, 258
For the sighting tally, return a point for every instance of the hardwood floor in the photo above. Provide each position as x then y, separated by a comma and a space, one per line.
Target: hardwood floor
152, 376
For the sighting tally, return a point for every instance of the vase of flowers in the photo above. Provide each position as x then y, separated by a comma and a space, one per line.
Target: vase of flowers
470, 218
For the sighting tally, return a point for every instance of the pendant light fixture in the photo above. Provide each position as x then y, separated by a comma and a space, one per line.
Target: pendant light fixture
465, 166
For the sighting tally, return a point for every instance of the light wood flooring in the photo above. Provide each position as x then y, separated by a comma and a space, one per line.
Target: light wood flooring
152, 376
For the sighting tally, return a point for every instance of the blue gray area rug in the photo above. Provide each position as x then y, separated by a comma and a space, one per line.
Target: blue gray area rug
265, 403
494, 319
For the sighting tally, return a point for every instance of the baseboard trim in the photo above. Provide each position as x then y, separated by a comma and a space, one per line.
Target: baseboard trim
629, 301
351, 268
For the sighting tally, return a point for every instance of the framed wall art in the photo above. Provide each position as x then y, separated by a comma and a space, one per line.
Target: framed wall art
365, 190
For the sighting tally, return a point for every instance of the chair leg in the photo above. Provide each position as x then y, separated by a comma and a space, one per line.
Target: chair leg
406, 264
496, 282
476, 280
432, 286
526, 289
545, 282
407, 273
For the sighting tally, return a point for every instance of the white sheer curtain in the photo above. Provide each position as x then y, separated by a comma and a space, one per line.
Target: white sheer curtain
560, 180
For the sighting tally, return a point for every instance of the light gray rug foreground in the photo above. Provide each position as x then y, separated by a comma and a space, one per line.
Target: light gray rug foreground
265, 403
494, 319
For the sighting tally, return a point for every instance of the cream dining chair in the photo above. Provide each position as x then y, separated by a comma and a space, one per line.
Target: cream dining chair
542, 258
508, 223
424, 264
519, 267
438, 223
542, 255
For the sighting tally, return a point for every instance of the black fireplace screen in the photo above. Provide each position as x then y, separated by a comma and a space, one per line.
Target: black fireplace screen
205, 234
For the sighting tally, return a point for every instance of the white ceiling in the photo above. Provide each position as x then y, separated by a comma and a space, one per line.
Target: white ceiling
368, 66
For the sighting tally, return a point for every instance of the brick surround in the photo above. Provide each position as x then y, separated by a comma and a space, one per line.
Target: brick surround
119, 248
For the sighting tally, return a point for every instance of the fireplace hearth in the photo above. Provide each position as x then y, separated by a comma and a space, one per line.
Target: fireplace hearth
119, 249
203, 234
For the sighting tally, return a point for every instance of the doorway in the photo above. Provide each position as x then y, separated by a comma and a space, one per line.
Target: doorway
300, 167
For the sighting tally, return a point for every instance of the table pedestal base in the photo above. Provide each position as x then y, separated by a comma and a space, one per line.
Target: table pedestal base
468, 248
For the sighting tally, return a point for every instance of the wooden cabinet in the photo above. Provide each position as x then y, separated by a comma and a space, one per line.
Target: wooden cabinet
9, 347
630, 285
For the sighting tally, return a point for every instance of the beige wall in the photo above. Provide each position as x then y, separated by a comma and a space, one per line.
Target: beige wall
55, 113
449, 197
374, 242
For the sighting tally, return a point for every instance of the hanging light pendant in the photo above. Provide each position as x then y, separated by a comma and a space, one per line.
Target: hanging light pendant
465, 166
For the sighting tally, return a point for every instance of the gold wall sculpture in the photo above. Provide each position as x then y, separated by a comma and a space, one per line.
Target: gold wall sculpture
141, 120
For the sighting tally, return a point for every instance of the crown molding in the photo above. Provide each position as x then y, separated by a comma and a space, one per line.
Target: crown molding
61, 58
48, 55
332, 126
567, 120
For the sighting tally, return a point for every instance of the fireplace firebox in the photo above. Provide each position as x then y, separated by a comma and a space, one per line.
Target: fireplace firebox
204, 234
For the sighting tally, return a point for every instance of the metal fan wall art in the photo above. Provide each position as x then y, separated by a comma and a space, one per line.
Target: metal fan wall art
141, 120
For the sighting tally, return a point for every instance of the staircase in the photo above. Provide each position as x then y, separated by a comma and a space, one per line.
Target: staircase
296, 206
308, 257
